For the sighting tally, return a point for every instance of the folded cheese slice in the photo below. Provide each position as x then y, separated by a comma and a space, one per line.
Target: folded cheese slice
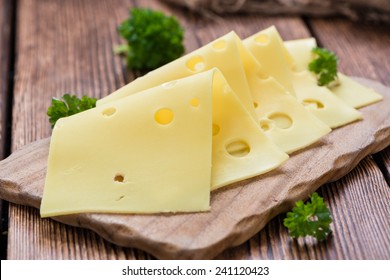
240, 69
160, 150
269, 50
351, 92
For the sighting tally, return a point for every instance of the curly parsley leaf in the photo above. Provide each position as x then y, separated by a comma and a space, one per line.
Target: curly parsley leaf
153, 39
312, 218
68, 105
324, 66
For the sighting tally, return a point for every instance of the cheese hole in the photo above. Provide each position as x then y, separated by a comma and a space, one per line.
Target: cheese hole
265, 126
196, 64
194, 102
281, 120
238, 148
255, 104
262, 39
119, 178
219, 45
216, 129
170, 84
164, 116
109, 112
119, 198
313, 104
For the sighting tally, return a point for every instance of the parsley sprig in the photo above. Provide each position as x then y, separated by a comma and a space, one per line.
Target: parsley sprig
68, 105
324, 66
312, 218
153, 39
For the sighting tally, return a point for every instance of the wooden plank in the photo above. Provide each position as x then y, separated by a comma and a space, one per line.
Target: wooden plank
359, 203
77, 58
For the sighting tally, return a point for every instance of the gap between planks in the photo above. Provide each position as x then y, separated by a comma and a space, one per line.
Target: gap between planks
7, 57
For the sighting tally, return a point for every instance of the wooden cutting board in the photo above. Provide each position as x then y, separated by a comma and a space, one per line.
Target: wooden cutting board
237, 211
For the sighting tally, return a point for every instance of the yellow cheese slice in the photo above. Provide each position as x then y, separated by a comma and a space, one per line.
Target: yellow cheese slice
150, 152
350, 91
284, 120
271, 53
156, 151
222, 53
267, 48
240, 148
238, 66
355, 94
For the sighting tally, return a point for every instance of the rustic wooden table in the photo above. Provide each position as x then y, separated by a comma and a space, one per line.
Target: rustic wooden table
51, 47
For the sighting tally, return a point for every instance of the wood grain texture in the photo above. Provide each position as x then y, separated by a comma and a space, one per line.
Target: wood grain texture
236, 212
356, 232
62, 46
363, 49
76, 39
80, 60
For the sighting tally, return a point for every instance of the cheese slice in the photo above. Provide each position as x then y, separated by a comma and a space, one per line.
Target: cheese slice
284, 120
272, 54
160, 150
146, 153
240, 149
240, 69
355, 94
267, 48
350, 91
222, 53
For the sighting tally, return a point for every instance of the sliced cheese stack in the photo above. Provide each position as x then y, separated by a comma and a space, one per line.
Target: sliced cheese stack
283, 118
351, 92
161, 150
269, 50
222, 53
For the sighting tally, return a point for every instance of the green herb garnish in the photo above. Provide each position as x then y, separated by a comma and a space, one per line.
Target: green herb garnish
312, 218
324, 66
153, 39
69, 105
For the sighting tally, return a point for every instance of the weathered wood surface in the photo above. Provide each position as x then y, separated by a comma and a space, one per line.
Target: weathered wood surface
66, 46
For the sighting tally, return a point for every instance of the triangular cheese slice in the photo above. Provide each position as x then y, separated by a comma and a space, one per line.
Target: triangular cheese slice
160, 150
285, 121
221, 53
269, 50
146, 153
351, 92
238, 66
355, 94
240, 148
